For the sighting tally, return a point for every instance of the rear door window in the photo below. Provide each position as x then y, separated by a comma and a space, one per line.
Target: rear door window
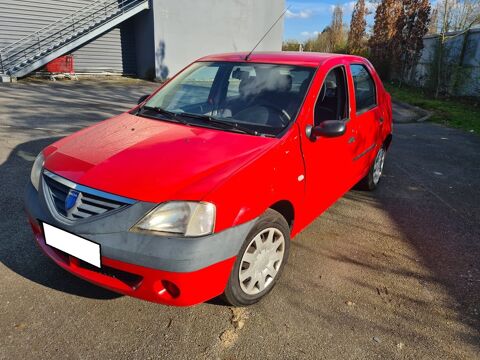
365, 91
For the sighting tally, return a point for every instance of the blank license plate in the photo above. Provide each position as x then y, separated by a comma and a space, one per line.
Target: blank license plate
74, 245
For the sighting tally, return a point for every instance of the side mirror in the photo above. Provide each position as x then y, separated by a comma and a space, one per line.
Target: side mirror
327, 128
142, 98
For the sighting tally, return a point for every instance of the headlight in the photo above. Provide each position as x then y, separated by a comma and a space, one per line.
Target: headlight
37, 170
186, 218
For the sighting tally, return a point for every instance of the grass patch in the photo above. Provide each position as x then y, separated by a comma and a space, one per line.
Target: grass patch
461, 113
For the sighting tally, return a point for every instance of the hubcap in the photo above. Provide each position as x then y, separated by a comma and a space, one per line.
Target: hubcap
378, 165
261, 261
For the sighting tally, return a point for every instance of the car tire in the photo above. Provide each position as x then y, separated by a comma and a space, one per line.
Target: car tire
371, 180
260, 260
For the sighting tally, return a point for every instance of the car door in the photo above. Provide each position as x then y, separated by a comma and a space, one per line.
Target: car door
328, 160
366, 114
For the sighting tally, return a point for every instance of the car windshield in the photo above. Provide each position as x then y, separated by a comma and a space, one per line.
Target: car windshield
258, 98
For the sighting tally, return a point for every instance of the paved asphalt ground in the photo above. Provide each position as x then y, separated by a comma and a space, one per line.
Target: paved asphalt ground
393, 274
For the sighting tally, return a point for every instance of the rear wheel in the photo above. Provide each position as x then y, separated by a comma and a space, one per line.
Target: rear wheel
371, 180
260, 260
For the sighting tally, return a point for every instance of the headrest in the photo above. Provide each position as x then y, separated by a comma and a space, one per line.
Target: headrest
323, 91
331, 84
304, 86
285, 83
240, 74
246, 85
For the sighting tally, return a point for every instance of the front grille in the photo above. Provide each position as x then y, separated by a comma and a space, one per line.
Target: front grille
132, 280
85, 202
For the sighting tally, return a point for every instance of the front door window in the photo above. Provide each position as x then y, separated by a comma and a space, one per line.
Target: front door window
332, 102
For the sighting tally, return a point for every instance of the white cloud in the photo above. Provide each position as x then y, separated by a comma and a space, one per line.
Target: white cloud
301, 14
349, 6
309, 33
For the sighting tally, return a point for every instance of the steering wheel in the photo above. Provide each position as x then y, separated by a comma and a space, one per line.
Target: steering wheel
284, 116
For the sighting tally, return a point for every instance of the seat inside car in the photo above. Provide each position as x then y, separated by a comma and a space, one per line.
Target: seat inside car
273, 98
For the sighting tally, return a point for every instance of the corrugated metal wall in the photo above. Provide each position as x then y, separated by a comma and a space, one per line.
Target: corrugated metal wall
113, 51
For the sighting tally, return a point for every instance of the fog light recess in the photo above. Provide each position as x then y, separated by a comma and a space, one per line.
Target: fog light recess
171, 288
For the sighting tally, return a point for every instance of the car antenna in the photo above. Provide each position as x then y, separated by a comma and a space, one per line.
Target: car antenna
263, 37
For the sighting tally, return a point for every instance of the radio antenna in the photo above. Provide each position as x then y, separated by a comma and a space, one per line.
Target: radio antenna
268, 31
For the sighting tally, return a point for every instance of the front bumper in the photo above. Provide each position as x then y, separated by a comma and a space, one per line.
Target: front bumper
174, 271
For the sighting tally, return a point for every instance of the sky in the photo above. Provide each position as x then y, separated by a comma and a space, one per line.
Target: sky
305, 18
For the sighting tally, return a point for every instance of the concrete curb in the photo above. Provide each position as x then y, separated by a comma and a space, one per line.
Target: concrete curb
425, 114
7, 78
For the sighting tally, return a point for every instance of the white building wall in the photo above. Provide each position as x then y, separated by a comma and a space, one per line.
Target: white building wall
186, 30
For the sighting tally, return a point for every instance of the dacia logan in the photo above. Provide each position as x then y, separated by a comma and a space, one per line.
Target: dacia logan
197, 191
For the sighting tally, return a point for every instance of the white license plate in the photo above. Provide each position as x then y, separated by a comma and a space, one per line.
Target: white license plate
74, 245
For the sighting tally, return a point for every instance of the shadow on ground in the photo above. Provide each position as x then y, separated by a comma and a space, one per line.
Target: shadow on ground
403, 259
18, 249
68, 105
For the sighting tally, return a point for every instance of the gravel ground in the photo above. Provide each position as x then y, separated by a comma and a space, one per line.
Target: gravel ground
393, 274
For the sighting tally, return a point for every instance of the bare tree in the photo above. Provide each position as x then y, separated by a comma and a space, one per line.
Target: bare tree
433, 24
457, 15
320, 43
336, 31
358, 24
291, 45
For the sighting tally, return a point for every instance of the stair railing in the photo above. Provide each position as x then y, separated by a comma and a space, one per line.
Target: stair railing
62, 32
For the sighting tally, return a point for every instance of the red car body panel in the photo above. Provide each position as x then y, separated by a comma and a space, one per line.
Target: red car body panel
157, 148
243, 175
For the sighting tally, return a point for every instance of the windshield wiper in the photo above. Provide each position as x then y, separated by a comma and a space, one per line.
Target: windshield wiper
229, 125
169, 114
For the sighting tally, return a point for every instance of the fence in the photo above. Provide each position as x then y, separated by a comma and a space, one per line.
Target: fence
460, 73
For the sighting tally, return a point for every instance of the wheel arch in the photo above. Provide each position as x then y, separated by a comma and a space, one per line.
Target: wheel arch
387, 141
286, 209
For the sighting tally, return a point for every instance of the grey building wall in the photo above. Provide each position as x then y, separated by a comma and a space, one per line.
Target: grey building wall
470, 76
113, 51
186, 30
145, 44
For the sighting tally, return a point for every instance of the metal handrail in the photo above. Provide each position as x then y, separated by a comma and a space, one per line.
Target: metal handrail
63, 31
88, 6
45, 27
80, 26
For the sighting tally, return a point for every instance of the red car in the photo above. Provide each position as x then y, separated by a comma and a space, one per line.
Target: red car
197, 191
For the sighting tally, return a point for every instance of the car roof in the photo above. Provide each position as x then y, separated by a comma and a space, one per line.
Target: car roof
313, 59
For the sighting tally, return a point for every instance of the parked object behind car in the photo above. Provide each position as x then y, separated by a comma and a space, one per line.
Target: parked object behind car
198, 190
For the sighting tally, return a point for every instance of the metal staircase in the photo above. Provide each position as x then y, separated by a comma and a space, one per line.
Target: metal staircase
62, 36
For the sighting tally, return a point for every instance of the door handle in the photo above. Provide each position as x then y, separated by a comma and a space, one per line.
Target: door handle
381, 119
352, 140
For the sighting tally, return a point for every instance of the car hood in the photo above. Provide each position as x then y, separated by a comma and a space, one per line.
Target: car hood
152, 160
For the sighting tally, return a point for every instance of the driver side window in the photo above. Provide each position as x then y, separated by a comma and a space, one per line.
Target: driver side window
332, 101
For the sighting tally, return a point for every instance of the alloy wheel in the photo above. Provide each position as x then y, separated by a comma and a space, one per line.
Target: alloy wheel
378, 165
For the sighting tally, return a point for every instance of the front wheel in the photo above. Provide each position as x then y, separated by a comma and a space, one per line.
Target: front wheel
260, 260
371, 180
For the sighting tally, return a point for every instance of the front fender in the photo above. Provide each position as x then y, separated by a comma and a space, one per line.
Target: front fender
275, 175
